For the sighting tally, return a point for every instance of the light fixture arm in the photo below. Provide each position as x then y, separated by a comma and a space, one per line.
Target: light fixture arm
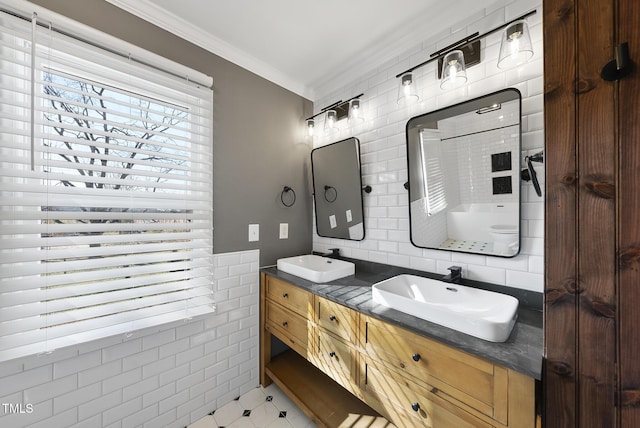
464, 42
329, 107
457, 45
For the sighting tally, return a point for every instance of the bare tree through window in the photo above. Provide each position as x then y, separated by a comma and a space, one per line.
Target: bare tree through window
110, 140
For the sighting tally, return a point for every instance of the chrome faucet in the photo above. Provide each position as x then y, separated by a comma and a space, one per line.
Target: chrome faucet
455, 274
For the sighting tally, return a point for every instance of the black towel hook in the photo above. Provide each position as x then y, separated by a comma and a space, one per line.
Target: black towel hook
619, 67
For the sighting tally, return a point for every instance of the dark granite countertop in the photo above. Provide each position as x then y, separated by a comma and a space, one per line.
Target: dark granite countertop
522, 352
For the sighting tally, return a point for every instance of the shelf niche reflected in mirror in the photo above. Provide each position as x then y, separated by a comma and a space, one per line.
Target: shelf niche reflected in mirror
337, 190
464, 176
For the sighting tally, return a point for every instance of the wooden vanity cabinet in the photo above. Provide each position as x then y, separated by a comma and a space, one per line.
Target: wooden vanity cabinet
321, 335
410, 379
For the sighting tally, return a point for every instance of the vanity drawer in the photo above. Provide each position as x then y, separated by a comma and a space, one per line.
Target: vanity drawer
411, 405
464, 378
336, 318
289, 296
336, 359
288, 326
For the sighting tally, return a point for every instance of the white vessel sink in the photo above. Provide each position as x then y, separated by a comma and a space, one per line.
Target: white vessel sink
480, 313
316, 268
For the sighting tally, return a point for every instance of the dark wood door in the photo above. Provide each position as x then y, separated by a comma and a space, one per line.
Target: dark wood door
592, 232
628, 230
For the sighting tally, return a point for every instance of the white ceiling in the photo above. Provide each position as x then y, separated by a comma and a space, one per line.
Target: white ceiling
305, 45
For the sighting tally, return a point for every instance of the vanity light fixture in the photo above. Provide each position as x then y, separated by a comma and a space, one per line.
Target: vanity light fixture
516, 30
355, 111
515, 48
331, 120
407, 92
454, 71
351, 108
311, 125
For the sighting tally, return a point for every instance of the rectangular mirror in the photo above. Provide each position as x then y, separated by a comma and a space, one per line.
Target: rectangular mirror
337, 190
464, 176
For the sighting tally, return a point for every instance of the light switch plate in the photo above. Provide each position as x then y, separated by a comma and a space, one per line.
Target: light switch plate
284, 230
254, 232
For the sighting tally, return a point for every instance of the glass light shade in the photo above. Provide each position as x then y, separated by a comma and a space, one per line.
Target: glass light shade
355, 111
331, 120
311, 125
454, 72
407, 93
516, 47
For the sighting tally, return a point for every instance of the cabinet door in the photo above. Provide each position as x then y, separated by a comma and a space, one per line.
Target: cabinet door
337, 359
411, 405
468, 380
291, 297
288, 326
336, 318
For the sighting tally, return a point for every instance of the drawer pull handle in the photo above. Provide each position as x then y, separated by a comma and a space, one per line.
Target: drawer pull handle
415, 407
416, 357
332, 318
285, 295
284, 323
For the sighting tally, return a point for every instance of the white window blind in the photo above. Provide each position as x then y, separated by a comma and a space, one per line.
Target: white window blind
106, 210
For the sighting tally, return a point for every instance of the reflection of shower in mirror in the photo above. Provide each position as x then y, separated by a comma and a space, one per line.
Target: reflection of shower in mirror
464, 176
490, 227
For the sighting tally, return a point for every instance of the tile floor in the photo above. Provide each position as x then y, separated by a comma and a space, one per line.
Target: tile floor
259, 408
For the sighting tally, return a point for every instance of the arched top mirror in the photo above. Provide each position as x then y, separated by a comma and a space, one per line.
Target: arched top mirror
337, 190
464, 176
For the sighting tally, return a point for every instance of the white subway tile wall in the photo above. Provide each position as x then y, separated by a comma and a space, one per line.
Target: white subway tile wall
383, 151
168, 376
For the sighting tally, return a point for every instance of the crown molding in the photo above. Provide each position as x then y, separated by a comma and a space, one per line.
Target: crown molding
160, 17
420, 30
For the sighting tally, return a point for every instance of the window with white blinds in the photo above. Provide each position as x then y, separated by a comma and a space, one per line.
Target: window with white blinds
105, 189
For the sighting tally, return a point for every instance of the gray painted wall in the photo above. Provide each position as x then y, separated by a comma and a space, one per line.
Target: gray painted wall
258, 143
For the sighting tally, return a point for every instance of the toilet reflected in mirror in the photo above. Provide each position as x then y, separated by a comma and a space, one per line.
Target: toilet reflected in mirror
504, 237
